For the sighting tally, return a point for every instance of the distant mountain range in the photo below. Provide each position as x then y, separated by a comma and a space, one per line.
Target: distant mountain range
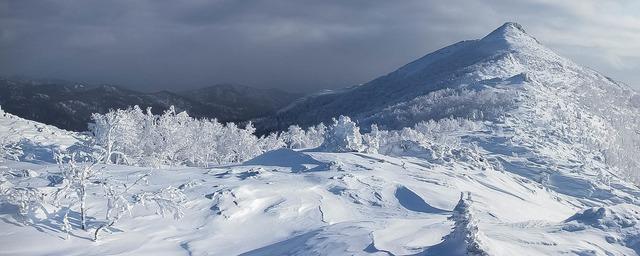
69, 105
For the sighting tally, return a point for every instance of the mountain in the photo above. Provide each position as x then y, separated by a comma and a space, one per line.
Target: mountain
423, 89
507, 78
545, 162
69, 105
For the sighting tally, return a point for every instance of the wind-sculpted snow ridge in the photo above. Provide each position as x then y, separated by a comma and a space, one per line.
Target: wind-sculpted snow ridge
542, 167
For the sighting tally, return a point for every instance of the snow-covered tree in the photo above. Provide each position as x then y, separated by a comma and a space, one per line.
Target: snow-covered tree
78, 176
371, 140
297, 138
315, 135
465, 230
294, 137
271, 142
343, 136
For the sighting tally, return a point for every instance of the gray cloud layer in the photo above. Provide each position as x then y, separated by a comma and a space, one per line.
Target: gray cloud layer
301, 45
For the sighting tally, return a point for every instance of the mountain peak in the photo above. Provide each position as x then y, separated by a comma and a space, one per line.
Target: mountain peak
507, 31
512, 34
512, 26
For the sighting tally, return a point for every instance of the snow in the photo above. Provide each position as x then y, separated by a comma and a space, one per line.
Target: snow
13, 129
543, 176
32, 141
291, 202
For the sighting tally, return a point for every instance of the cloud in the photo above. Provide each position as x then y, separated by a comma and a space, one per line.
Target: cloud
299, 45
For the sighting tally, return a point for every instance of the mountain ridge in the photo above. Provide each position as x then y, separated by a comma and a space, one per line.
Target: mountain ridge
69, 105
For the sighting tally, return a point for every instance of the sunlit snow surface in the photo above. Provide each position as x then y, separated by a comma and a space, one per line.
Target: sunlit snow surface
311, 203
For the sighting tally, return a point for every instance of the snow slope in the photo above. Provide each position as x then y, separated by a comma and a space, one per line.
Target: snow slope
351, 203
13, 128
28, 140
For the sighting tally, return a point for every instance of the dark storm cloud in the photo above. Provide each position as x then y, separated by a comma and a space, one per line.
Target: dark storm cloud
298, 45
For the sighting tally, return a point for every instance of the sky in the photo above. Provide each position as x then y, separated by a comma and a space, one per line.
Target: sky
295, 45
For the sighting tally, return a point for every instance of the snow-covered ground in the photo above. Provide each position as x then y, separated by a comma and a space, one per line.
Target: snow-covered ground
26, 140
13, 129
292, 202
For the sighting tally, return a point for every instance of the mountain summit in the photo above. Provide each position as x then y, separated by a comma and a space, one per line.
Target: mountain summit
507, 31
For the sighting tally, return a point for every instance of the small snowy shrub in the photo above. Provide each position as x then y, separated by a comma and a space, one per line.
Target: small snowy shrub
121, 201
80, 174
15, 190
11, 150
26, 199
167, 201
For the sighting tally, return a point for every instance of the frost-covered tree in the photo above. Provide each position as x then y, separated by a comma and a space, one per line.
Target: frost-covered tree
174, 135
343, 136
315, 135
78, 176
465, 228
271, 142
294, 137
247, 145
371, 140
298, 138
122, 134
